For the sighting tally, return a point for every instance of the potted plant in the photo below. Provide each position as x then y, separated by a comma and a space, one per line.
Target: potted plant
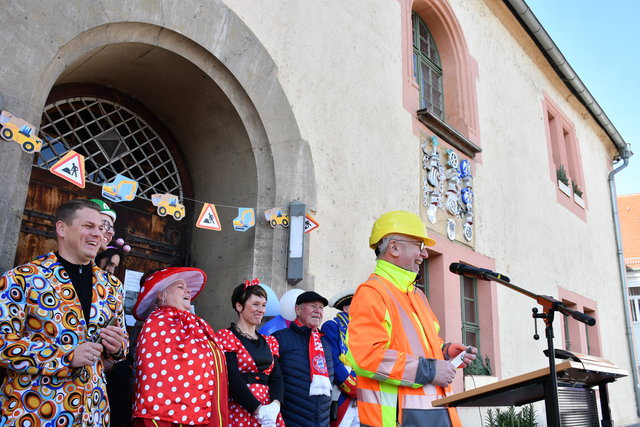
478, 366
563, 180
526, 417
577, 194
478, 373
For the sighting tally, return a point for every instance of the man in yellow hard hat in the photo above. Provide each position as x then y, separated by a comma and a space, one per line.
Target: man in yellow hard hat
401, 363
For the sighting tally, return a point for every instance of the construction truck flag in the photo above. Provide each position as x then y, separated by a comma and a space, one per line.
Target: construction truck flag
15, 129
168, 204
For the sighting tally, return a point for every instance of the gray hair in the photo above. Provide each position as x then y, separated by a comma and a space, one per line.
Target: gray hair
160, 300
383, 244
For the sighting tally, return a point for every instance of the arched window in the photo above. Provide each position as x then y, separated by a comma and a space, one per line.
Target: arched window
427, 69
113, 139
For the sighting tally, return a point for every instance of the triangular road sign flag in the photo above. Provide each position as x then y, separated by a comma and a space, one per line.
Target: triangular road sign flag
70, 168
208, 218
310, 224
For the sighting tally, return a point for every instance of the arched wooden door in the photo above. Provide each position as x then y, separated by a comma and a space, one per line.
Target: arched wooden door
117, 136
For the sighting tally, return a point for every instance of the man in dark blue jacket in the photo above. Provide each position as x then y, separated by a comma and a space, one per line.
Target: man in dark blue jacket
305, 362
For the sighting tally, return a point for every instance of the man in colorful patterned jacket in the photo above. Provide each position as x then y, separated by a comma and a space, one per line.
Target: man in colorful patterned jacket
392, 338
60, 317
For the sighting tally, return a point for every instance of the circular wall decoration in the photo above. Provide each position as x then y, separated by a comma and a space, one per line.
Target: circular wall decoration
468, 232
452, 204
453, 159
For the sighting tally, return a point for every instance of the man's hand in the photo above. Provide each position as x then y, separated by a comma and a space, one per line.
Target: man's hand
86, 354
454, 349
113, 338
445, 373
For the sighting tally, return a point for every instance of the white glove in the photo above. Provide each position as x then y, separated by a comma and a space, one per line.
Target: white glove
268, 414
267, 423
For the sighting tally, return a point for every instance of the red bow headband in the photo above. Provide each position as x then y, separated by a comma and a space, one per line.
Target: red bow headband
253, 282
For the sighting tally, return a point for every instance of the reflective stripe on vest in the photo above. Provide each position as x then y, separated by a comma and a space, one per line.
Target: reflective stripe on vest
411, 401
388, 363
415, 340
417, 401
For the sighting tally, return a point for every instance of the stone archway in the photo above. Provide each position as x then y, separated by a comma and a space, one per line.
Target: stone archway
233, 126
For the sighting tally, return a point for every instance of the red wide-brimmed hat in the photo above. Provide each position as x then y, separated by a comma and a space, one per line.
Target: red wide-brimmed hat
160, 280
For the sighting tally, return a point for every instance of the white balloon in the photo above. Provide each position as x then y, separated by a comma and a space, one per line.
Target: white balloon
288, 304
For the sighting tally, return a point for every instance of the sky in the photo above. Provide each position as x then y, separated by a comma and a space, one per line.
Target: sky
599, 39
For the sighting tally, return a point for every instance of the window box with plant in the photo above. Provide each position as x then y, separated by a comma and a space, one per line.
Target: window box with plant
577, 194
563, 180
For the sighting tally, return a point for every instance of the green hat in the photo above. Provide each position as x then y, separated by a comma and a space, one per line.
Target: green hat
104, 208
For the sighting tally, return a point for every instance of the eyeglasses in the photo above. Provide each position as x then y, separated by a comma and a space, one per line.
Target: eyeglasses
421, 245
107, 227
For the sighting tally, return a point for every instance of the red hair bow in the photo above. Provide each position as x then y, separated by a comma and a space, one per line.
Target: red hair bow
254, 282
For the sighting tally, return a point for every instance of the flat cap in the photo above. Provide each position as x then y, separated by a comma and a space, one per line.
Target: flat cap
310, 296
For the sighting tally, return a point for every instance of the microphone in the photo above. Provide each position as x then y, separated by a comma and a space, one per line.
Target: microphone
478, 273
584, 318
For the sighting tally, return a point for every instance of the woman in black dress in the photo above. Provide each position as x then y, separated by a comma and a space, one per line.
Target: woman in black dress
255, 381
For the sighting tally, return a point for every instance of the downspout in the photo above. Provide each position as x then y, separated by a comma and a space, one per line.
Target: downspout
623, 276
541, 38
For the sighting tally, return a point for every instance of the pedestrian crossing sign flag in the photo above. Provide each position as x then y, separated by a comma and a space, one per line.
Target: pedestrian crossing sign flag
208, 218
310, 224
70, 168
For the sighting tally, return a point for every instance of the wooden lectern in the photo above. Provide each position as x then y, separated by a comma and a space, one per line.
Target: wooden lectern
576, 394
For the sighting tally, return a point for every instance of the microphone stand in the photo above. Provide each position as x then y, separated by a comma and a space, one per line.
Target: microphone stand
550, 306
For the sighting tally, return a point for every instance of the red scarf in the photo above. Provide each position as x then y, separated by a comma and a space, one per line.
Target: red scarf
320, 383
181, 373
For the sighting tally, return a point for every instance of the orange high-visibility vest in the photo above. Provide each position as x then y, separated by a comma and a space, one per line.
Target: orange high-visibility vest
389, 332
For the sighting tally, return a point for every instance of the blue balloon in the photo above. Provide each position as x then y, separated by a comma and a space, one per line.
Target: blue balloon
273, 306
273, 325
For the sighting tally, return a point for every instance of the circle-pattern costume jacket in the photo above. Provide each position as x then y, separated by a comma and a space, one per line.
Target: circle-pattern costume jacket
41, 322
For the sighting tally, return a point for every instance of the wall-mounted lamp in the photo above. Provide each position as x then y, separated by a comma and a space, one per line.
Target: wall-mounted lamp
295, 261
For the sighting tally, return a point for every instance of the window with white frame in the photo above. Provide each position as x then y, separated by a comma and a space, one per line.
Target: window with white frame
427, 69
470, 320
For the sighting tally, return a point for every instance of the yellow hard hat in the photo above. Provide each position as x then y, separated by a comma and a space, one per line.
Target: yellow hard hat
399, 222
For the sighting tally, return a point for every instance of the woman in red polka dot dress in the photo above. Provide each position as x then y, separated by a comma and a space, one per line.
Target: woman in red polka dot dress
255, 382
181, 375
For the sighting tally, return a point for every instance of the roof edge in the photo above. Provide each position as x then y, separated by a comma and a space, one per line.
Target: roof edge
550, 50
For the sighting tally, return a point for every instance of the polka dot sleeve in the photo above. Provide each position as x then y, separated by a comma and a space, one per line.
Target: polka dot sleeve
273, 345
227, 341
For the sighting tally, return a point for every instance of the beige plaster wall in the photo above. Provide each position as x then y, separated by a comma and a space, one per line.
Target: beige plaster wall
342, 75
